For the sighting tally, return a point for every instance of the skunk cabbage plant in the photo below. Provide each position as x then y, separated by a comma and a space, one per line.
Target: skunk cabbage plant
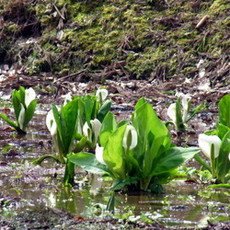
62, 123
217, 152
75, 126
24, 104
215, 145
138, 155
180, 111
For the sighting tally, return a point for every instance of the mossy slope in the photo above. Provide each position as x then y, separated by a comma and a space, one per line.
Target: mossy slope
113, 38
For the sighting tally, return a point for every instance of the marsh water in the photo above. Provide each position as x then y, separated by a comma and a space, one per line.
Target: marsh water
183, 203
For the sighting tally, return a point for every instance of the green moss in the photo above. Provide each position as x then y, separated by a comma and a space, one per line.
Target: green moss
146, 35
219, 6
143, 65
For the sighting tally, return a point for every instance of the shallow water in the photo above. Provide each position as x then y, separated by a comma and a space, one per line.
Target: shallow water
182, 204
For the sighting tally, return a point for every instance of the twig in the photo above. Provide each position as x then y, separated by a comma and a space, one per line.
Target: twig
68, 76
63, 17
202, 22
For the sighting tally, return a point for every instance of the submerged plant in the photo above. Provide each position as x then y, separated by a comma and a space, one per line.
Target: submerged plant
215, 145
24, 104
180, 112
137, 155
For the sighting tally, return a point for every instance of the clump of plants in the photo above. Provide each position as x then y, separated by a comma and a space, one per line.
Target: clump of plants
215, 145
74, 126
181, 112
24, 104
137, 155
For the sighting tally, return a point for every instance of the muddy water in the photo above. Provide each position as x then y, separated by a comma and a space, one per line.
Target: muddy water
182, 204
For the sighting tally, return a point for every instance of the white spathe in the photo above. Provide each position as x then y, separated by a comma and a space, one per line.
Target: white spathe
101, 94
21, 117
205, 143
67, 98
96, 127
51, 123
86, 130
130, 132
185, 99
30, 95
171, 112
99, 154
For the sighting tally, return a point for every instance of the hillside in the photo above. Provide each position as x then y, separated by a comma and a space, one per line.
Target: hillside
116, 39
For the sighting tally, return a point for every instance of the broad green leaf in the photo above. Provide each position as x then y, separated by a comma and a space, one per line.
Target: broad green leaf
104, 110
66, 121
30, 111
88, 162
173, 158
140, 102
113, 153
149, 128
156, 147
109, 125
222, 161
224, 110
145, 120
88, 107
222, 130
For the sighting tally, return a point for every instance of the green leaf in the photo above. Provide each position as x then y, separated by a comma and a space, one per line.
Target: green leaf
145, 120
156, 147
22, 94
195, 111
30, 111
6, 119
140, 102
179, 120
119, 184
111, 203
219, 186
222, 161
199, 159
151, 132
66, 121
172, 158
109, 125
42, 158
88, 162
224, 110
113, 153
16, 103
222, 130
80, 144
104, 110
88, 107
